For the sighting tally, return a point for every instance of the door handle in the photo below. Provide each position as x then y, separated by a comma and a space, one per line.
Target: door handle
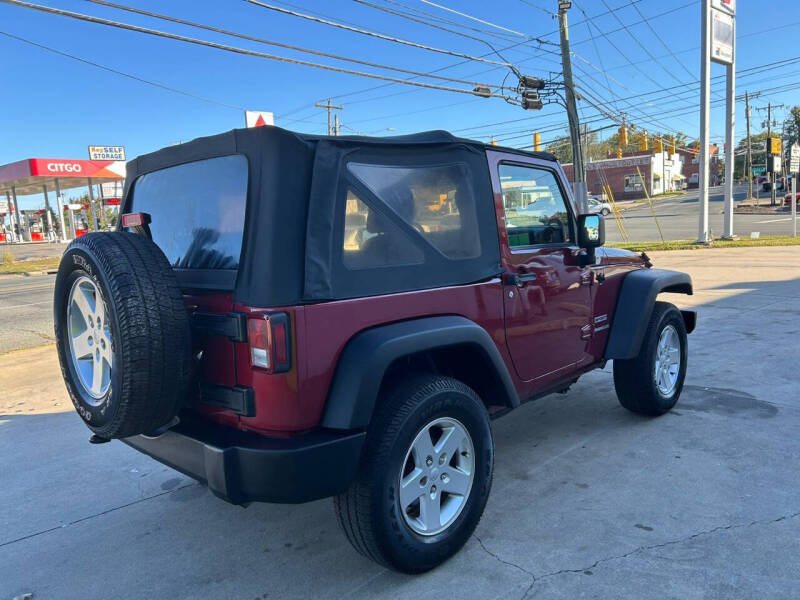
519, 279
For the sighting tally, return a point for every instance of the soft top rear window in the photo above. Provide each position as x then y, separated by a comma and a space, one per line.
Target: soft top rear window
197, 211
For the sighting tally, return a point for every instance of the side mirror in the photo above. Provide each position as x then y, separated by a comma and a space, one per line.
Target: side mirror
591, 234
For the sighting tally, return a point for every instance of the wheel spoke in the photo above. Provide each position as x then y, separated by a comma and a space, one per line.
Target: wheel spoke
430, 512
457, 482
80, 344
410, 488
97, 376
422, 448
450, 442
674, 355
81, 300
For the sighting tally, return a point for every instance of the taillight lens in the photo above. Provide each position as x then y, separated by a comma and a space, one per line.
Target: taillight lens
137, 219
269, 341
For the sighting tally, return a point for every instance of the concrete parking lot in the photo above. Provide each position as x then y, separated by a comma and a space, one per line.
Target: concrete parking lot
588, 501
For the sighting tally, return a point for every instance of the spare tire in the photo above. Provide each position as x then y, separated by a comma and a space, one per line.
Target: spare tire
122, 333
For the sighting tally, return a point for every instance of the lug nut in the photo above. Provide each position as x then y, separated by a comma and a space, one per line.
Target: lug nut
433, 489
445, 477
423, 481
429, 461
442, 458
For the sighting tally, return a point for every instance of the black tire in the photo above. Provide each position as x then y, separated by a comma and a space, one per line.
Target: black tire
369, 511
634, 379
149, 333
605, 212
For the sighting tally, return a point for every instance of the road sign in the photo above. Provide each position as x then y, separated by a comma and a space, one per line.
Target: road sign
794, 158
721, 37
759, 170
106, 152
257, 118
3, 207
774, 145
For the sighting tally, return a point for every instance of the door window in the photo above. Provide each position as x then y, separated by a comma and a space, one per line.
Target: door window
536, 211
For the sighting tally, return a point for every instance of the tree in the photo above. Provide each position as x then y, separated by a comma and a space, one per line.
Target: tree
791, 127
758, 143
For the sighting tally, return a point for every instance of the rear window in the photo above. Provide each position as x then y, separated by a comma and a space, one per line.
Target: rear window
197, 211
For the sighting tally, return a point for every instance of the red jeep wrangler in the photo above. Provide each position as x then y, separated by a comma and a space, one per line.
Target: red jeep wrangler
287, 317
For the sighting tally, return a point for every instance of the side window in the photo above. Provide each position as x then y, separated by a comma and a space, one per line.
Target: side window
435, 200
371, 240
535, 210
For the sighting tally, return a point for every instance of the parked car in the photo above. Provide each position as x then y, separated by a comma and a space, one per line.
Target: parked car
288, 317
787, 199
598, 205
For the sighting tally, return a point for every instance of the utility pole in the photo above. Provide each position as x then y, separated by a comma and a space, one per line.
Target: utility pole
703, 230
579, 173
336, 124
766, 156
749, 161
329, 107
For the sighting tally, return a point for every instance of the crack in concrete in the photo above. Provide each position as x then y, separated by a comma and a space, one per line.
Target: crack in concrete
510, 564
100, 514
654, 547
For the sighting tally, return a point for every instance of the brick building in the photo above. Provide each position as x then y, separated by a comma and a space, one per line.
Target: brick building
630, 175
691, 165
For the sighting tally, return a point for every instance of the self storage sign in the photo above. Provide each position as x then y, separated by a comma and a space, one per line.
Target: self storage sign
106, 153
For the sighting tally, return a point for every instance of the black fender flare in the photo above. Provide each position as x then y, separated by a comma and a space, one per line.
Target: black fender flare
368, 354
637, 296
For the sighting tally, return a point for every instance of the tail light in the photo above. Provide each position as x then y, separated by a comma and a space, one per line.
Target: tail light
269, 341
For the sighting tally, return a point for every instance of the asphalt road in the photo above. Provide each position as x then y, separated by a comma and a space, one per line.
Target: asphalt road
26, 311
678, 217
588, 500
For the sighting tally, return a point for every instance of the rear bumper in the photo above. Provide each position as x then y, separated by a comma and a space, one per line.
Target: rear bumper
242, 467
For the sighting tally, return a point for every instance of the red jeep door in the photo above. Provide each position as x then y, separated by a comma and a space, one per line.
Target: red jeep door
547, 296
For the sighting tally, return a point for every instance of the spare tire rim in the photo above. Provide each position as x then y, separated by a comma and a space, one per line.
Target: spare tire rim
668, 361
436, 476
89, 333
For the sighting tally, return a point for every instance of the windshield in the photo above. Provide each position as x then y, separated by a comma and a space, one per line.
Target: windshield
197, 211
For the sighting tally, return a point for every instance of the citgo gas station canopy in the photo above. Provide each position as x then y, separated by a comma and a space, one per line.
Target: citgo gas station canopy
31, 175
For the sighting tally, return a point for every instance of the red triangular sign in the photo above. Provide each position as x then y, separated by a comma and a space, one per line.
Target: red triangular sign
259, 121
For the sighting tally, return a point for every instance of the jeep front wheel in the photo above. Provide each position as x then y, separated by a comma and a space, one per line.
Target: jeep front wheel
425, 475
651, 382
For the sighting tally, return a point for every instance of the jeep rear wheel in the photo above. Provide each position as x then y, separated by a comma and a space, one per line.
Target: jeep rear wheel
122, 334
651, 383
425, 475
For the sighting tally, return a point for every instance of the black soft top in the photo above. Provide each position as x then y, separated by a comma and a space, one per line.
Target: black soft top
291, 250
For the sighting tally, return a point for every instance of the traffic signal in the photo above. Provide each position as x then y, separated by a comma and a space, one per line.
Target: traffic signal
537, 140
619, 152
622, 133
658, 145
642, 142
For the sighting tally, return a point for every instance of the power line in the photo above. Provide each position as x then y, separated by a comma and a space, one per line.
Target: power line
261, 40
661, 40
121, 73
639, 43
473, 18
236, 49
405, 15
376, 34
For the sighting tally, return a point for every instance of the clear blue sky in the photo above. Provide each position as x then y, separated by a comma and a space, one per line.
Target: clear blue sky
55, 106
